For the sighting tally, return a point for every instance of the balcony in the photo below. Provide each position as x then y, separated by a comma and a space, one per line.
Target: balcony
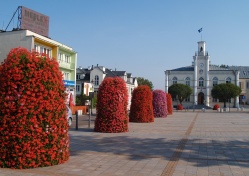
197, 53
64, 64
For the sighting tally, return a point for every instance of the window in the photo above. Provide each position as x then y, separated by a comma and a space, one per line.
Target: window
174, 80
187, 81
215, 100
47, 51
241, 85
247, 85
61, 57
201, 82
41, 49
66, 76
187, 99
78, 76
77, 88
201, 49
36, 48
174, 98
215, 81
228, 80
67, 59
96, 80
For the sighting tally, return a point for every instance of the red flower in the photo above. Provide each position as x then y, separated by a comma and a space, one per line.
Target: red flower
112, 113
32, 98
216, 106
159, 103
169, 104
141, 105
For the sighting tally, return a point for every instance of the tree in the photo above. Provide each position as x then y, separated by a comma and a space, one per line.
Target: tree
223, 66
225, 92
181, 91
142, 81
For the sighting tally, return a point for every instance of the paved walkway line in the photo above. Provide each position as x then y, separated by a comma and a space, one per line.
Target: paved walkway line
170, 167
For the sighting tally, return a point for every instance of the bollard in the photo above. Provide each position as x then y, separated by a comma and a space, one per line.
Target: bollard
89, 119
76, 127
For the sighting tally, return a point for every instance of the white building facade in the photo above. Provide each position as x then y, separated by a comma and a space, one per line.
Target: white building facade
201, 76
94, 76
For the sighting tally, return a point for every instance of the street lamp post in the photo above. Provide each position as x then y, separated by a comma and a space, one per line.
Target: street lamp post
92, 96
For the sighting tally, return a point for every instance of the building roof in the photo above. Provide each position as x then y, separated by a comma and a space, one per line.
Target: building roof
188, 68
211, 68
109, 73
86, 71
243, 71
119, 73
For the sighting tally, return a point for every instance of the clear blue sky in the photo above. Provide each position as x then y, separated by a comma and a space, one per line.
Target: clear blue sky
144, 37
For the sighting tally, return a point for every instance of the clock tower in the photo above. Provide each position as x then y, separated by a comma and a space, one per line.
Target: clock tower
201, 75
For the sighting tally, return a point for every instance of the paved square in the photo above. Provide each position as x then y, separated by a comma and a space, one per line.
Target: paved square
183, 144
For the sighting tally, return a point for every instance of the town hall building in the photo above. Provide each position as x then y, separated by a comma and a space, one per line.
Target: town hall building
201, 76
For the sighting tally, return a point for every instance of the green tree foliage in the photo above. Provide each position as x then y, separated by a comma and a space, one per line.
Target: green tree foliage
225, 92
81, 99
181, 91
142, 81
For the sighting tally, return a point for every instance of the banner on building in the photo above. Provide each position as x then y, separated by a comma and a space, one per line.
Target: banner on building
34, 21
88, 87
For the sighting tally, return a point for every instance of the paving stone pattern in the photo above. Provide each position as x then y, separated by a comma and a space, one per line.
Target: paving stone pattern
183, 144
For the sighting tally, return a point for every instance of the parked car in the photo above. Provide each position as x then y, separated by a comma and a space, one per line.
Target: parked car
69, 116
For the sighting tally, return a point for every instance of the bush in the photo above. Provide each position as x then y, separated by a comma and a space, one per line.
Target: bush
216, 106
112, 113
179, 107
169, 104
159, 103
141, 105
33, 127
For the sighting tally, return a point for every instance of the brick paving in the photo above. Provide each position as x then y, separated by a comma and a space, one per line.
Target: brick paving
183, 144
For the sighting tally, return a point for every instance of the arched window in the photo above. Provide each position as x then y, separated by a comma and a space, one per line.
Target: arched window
201, 49
215, 81
228, 80
96, 80
201, 82
174, 80
187, 81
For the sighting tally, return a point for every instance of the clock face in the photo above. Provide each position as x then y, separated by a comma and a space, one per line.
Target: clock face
201, 64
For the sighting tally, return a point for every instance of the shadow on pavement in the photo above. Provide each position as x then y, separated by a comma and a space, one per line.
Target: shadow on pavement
198, 151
